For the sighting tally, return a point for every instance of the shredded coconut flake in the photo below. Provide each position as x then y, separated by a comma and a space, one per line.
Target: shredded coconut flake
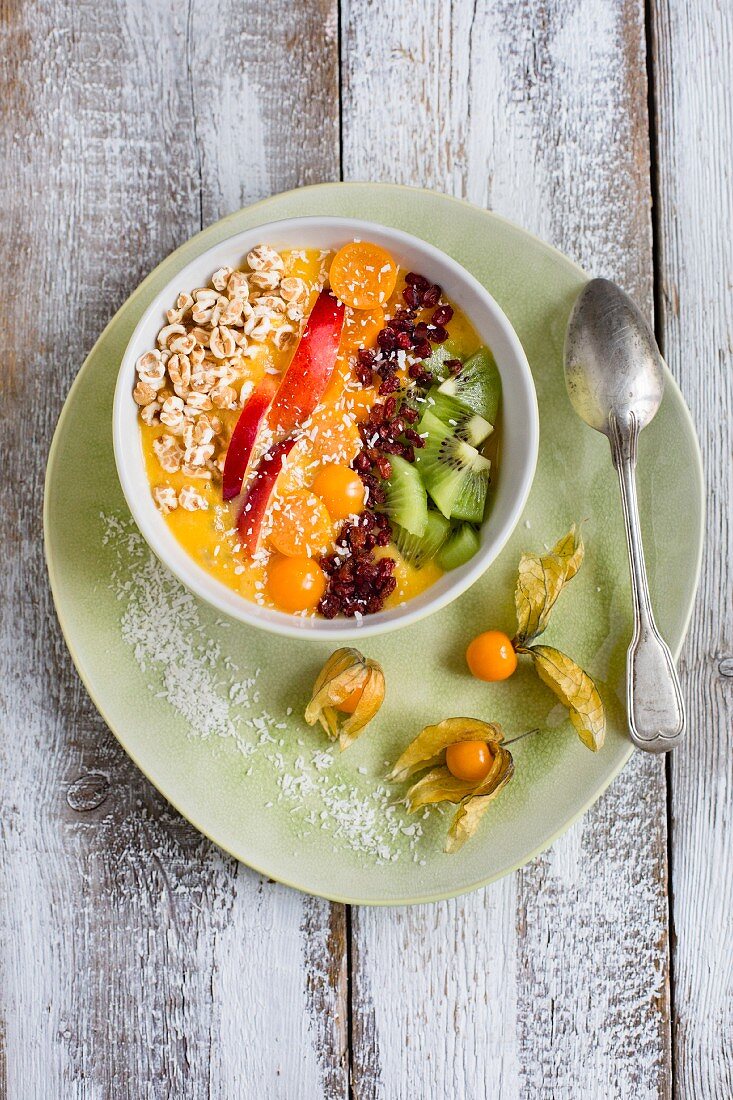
161, 624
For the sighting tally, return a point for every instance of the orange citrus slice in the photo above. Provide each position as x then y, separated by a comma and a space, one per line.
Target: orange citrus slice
336, 439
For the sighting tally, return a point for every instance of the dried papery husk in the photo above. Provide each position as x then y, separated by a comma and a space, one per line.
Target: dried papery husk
472, 809
345, 672
575, 690
540, 581
438, 785
428, 748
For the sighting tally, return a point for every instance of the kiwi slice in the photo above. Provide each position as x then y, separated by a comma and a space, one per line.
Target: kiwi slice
407, 502
465, 423
460, 546
453, 472
435, 362
478, 385
419, 551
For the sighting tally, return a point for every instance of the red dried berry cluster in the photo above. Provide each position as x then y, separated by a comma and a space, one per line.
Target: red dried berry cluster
386, 431
404, 332
357, 582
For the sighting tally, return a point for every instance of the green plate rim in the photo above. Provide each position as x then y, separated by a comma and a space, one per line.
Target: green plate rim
78, 663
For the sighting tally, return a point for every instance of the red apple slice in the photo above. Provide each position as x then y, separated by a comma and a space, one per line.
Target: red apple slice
311, 367
258, 495
242, 442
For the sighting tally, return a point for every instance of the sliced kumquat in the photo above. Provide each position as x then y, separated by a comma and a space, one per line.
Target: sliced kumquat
335, 438
295, 584
363, 275
300, 524
341, 490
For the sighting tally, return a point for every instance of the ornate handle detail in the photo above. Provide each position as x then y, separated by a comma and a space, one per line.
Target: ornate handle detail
653, 696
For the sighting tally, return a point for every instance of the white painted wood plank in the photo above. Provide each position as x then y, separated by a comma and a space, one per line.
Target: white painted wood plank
694, 74
554, 982
135, 958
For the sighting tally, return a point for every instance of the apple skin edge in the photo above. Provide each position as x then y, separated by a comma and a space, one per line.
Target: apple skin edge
310, 370
258, 495
242, 442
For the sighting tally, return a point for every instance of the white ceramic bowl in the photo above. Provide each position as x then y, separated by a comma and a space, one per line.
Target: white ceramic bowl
520, 423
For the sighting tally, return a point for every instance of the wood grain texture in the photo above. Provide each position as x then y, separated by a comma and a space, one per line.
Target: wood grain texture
694, 72
552, 983
136, 960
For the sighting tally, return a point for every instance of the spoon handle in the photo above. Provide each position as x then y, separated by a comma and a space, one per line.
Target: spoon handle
653, 696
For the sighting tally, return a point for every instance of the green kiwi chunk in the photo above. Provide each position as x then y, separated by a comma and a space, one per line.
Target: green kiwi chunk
465, 422
419, 551
435, 362
477, 385
454, 473
459, 547
407, 503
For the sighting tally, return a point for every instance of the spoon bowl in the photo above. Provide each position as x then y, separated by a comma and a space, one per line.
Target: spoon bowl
612, 362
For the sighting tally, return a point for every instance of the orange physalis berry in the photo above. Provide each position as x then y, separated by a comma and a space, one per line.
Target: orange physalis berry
491, 656
341, 490
469, 760
295, 584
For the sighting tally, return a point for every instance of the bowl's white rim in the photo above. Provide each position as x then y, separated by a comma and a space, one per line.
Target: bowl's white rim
226, 600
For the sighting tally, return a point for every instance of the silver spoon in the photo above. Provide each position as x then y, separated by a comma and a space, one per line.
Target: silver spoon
615, 380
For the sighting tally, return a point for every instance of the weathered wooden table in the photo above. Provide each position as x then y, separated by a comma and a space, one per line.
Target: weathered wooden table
136, 959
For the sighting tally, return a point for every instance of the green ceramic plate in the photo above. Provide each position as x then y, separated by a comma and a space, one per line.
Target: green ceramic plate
203, 705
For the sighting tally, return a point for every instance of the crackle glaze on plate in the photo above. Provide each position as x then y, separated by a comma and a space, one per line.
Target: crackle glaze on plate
229, 784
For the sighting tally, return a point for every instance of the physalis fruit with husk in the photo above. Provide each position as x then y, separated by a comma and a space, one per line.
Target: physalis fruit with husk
465, 763
541, 580
347, 694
